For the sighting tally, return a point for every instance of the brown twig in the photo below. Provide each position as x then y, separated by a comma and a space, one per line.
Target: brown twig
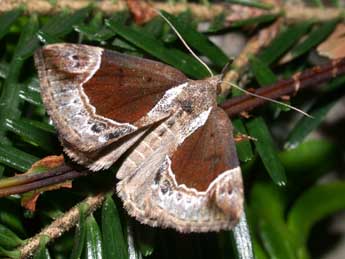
254, 45
47, 179
298, 13
109, 7
62, 224
308, 78
28, 178
203, 12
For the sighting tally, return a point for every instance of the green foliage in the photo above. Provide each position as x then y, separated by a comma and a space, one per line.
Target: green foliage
266, 149
257, 4
174, 57
79, 237
314, 38
244, 149
322, 105
284, 41
280, 218
93, 239
42, 252
114, 243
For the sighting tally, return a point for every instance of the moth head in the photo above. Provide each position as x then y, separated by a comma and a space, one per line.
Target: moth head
199, 96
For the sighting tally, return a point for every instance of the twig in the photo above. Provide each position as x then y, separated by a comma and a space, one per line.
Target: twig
28, 182
107, 7
297, 13
253, 46
308, 78
22, 188
62, 224
200, 11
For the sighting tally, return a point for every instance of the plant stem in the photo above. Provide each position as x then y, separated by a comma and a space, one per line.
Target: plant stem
254, 45
308, 78
62, 224
292, 13
50, 178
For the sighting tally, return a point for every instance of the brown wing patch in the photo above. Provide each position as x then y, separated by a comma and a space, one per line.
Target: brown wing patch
207, 153
125, 88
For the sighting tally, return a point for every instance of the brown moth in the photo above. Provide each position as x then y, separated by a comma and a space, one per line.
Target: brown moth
181, 169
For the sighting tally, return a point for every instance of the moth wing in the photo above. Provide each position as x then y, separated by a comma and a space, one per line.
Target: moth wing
195, 188
96, 96
106, 156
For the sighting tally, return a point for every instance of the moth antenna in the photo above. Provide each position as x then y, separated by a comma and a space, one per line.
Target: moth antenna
269, 99
183, 41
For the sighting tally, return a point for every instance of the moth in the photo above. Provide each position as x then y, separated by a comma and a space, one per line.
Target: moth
180, 168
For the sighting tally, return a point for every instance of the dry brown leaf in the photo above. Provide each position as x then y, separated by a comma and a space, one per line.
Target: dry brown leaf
141, 11
29, 199
240, 12
334, 46
48, 162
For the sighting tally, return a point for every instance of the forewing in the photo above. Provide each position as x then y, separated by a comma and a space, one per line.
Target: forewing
96, 96
104, 157
126, 88
195, 187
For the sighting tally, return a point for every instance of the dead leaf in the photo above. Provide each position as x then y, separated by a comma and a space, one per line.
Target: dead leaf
141, 11
240, 12
245, 115
29, 199
239, 137
48, 162
334, 46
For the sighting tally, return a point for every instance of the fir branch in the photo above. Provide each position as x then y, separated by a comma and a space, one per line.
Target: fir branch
254, 45
291, 13
62, 224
